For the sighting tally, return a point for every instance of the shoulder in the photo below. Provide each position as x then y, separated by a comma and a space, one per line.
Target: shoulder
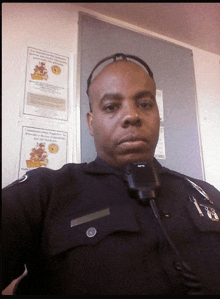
47, 176
204, 188
38, 189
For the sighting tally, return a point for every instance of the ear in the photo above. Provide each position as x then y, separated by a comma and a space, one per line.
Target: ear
90, 123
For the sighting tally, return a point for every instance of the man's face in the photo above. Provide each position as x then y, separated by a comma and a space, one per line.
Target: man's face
124, 120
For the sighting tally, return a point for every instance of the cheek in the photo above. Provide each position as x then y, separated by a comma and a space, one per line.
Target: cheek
105, 131
156, 119
156, 126
101, 131
152, 127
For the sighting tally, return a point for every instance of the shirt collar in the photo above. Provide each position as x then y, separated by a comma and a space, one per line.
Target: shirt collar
100, 166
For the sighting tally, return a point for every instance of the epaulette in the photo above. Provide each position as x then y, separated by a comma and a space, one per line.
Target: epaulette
18, 181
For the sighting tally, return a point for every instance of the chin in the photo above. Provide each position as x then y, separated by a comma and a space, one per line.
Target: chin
134, 158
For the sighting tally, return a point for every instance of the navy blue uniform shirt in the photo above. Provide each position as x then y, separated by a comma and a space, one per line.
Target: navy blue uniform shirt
78, 230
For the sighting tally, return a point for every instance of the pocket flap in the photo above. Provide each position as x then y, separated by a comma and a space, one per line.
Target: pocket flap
67, 232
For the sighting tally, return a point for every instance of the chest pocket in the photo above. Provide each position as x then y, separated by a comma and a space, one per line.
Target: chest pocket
68, 232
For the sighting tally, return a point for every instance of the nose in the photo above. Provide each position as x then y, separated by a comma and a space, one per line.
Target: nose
131, 118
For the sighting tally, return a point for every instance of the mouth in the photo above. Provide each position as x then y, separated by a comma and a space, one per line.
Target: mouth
133, 144
133, 148
130, 139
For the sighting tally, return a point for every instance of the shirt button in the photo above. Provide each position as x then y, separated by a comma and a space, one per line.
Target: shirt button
165, 214
177, 266
91, 232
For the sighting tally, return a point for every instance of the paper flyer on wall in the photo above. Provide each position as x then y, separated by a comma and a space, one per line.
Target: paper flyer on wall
160, 149
42, 148
159, 100
46, 88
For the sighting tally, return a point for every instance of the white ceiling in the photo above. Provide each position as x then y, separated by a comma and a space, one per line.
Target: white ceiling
196, 24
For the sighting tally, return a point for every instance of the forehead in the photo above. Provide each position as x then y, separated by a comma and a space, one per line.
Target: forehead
120, 74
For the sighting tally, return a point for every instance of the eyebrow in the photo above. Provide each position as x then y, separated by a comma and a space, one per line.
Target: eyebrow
142, 94
119, 97
111, 96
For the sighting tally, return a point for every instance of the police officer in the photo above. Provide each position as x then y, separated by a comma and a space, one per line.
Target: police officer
80, 229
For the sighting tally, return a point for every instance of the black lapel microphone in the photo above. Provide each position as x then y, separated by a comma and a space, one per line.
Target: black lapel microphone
143, 179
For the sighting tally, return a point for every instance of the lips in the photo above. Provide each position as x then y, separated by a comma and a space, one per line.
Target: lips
132, 138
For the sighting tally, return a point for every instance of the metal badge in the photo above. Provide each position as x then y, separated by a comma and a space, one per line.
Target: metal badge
211, 213
192, 199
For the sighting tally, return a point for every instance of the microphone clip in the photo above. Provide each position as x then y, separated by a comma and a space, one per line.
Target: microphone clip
142, 178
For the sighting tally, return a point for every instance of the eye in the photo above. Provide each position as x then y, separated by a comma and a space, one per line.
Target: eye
146, 104
109, 108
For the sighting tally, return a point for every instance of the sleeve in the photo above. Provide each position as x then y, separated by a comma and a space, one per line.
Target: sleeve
22, 213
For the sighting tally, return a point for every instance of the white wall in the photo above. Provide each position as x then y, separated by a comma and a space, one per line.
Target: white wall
207, 73
46, 26
54, 27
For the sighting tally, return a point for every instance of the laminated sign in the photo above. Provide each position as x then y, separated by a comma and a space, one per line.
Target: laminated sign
46, 88
42, 148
